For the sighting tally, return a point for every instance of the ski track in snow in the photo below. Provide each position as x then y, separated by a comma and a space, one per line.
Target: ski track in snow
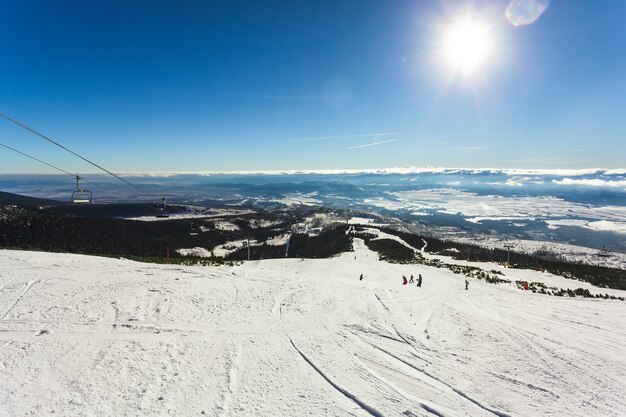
371, 410
436, 382
232, 378
430, 408
381, 303
84, 335
27, 288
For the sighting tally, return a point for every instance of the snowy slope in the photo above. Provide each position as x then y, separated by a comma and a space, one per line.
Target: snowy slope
88, 336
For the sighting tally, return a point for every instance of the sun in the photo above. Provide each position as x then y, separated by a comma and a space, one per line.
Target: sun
467, 45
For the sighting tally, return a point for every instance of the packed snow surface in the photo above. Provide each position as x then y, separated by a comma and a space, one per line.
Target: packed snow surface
88, 336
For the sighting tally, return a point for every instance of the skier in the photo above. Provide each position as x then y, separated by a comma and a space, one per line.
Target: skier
404, 281
466, 284
411, 281
361, 277
419, 280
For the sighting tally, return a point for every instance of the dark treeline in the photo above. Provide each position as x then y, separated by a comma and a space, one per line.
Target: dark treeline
36, 230
111, 211
391, 250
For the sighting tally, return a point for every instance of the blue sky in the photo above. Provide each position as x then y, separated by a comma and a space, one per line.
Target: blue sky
243, 85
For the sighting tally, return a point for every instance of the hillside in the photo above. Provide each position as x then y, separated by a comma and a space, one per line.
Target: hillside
83, 335
25, 201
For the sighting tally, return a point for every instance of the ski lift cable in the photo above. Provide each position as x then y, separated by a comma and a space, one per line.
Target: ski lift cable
75, 176
97, 185
51, 166
536, 261
497, 257
39, 160
193, 225
489, 256
41, 135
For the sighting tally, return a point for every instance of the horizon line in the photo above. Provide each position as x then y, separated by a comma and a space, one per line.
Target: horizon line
350, 171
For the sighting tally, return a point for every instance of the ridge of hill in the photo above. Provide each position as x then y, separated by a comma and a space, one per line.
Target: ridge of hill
25, 201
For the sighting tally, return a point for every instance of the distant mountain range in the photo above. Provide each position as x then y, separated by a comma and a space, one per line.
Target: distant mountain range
579, 207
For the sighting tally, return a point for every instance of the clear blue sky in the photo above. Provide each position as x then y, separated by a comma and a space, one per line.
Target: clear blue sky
187, 85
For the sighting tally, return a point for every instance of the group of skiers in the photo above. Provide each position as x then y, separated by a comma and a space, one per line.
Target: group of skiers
404, 280
411, 280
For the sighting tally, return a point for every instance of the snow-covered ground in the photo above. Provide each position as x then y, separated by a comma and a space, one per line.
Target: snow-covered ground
361, 220
222, 251
298, 199
89, 336
226, 226
258, 223
278, 240
571, 253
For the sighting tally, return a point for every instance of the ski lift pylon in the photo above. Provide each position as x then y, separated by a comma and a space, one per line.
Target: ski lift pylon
81, 196
604, 252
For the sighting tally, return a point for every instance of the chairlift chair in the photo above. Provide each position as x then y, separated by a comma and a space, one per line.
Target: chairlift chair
81, 196
163, 213
194, 230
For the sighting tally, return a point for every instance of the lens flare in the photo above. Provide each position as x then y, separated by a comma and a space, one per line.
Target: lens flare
525, 12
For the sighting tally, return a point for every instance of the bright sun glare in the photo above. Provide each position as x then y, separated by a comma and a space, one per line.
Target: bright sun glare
467, 45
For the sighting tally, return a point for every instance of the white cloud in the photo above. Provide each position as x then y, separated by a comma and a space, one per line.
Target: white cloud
361, 135
513, 183
591, 182
372, 144
397, 170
